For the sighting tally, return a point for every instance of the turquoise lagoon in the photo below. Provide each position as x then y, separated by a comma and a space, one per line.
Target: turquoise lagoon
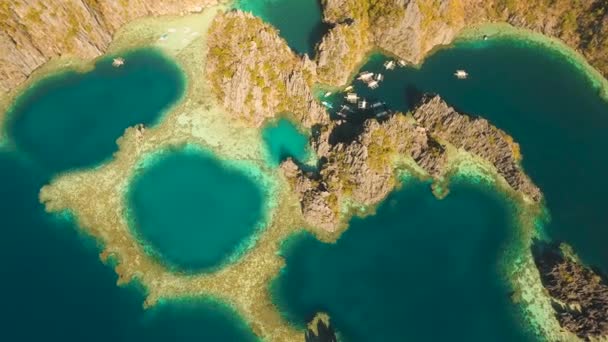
55, 287
420, 269
424, 269
193, 211
72, 120
284, 140
298, 21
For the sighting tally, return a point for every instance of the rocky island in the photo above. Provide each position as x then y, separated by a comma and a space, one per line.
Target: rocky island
580, 296
242, 74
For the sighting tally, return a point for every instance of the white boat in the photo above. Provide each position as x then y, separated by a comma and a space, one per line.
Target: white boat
349, 88
362, 104
389, 65
328, 94
366, 76
373, 84
351, 97
379, 77
461, 74
118, 62
327, 104
402, 63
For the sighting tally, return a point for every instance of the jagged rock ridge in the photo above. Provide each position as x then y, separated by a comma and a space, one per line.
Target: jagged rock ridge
361, 166
580, 295
477, 136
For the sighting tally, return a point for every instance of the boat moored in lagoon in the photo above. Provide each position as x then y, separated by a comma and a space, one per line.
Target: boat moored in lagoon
118, 62
461, 74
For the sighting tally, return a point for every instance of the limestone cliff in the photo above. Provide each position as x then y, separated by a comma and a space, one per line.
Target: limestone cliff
34, 31
409, 29
580, 295
255, 74
358, 163
477, 136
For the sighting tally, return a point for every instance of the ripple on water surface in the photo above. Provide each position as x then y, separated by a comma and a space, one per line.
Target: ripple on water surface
193, 211
72, 120
421, 269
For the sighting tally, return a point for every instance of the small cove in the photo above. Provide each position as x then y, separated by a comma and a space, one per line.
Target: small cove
419, 269
299, 21
193, 211
284, 140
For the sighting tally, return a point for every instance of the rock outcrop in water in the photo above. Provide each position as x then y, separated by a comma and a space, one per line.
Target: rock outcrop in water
320, 330
255, 74
477, 136
358, 166
359, 162
580, 296
34, 31
411, 28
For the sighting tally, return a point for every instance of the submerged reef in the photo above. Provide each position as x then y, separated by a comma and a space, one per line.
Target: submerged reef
579, 295
359, 163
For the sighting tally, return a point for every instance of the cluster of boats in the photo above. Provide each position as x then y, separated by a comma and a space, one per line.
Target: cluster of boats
379, 109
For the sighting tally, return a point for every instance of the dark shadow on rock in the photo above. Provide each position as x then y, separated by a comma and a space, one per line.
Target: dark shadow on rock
325, 333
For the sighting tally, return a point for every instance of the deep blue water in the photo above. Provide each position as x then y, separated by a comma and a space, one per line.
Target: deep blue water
54, 285
283, 140
72, 120
298, 21
192, 211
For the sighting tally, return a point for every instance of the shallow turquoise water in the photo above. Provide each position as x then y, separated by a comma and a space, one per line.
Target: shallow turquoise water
421, 269
55, 287
298, 21
283, 140
72, 120
192, 211
547, 105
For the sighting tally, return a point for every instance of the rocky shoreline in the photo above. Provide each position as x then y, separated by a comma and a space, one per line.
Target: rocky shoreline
32, 32
579, 295
360, 165
255, 74
410, 29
